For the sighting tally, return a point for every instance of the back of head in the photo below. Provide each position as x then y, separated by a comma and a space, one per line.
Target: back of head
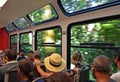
26, 66
77, 59
102, 64
11, 54
37, 54
22, 52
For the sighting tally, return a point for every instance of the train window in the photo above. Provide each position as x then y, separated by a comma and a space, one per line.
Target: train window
21, 23
13, 41
93, 39
26, 42
44, 14
71, 7
48, 41
10, 28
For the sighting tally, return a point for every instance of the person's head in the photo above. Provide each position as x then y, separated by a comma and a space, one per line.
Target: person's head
117, 58
25, 69
22, 53
101, 66
11, 54
30, 55
55, 63
37, 54
77, 59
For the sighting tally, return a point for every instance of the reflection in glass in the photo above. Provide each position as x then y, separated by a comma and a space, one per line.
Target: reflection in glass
21, 23
10, 28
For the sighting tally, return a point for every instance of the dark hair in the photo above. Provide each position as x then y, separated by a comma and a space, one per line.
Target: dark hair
22, 51
26, 66
30, 52
117, 54
11, 54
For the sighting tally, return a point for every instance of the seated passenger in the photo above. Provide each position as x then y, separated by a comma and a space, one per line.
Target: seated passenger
30, 56
116, 76
101, 69
55, 65
21, 55
10, 55
37, 57
25, 68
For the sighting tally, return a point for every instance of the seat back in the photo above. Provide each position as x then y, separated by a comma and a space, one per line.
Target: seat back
38, 79
84, 73
12, 74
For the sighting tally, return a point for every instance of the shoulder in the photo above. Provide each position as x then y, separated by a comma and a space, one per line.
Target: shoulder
116, 76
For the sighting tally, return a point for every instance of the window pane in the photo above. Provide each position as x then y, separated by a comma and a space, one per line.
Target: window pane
102, 32
49, 40
10, 28
48, 49
71, 6
26, 42
43, 14
21, 23
13, 41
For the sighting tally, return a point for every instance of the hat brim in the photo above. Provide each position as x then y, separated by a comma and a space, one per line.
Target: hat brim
53, 68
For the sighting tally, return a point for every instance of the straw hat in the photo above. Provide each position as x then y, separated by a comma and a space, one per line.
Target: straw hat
55, 63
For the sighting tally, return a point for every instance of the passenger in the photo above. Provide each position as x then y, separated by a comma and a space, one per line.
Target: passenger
116, 76
55, 65
77, 61
25, 68
37, 57
49, 54
30, 56
101, 69
11, 58
21, 55
4, 57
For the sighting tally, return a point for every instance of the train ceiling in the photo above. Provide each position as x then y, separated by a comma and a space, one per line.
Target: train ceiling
15, 9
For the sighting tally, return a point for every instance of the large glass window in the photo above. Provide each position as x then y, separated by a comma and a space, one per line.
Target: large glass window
48, 41
10, 28
13, 41
73, 6
43, 14
26, 42
93, 39
21, 23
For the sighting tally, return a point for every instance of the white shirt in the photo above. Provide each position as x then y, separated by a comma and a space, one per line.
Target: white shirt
116, 76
